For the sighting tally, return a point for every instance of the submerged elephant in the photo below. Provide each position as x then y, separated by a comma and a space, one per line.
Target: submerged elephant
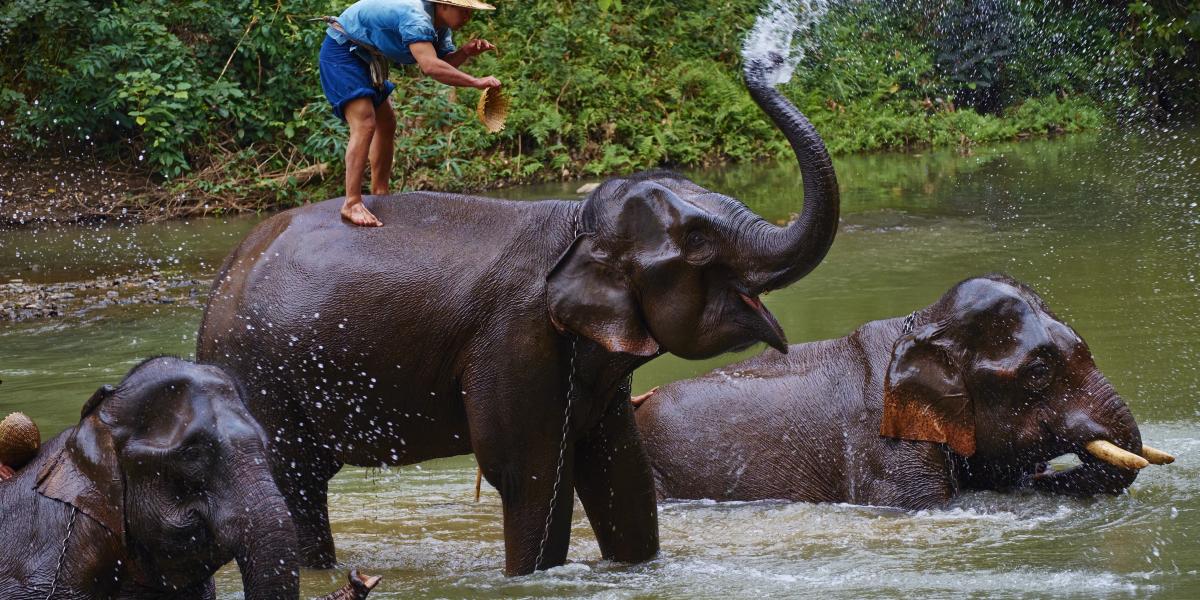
163, 481
507, 329
975, 392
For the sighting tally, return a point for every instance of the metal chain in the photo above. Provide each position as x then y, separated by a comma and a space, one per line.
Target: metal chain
562, 455
909, 322
562, 444
63, 554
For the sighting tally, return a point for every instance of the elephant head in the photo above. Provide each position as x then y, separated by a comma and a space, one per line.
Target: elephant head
660, 264
172, 465
994, 375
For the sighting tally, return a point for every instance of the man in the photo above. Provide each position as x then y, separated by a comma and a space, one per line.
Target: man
402, 31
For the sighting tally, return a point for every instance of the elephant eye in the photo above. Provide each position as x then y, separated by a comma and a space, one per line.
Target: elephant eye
1038, 375
696, 246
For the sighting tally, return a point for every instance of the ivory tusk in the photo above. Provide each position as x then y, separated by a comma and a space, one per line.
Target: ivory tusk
478, 482
1156, 456
1111, 454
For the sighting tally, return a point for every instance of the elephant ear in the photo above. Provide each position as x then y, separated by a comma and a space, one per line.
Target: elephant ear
923, 394
85, 473
590, 298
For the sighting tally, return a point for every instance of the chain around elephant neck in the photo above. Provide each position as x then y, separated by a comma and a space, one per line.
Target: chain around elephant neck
562, 443
62, 555
909, 322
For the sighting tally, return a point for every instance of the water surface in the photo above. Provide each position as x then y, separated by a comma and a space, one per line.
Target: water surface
1103, 226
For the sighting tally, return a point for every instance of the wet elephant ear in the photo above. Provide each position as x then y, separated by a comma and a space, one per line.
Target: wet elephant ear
592, 299
85, 474
923, 394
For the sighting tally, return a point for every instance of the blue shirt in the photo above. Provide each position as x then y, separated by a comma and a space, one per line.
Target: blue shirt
391, 25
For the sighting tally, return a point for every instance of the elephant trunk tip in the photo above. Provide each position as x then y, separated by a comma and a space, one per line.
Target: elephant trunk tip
358, 587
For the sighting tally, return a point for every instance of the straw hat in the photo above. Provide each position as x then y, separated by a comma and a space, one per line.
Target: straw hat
492, 109
475, 4
19, 440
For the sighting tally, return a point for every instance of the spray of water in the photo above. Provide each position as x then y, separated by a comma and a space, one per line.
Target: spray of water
783, 29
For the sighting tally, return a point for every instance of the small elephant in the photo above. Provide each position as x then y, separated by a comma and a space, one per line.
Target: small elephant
163, 481
975, 392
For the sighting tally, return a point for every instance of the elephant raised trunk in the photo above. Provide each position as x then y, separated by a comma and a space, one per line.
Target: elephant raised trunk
784, 255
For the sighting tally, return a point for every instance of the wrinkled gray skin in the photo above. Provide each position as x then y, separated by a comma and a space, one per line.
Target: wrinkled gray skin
987, 366
462, 325
163, 481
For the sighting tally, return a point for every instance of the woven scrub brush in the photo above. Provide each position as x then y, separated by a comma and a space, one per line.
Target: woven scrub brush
492, 109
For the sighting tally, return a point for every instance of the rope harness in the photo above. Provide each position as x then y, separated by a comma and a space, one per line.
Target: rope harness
378, 63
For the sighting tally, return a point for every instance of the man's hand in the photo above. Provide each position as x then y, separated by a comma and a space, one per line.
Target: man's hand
477, 47
5, 472
484, 83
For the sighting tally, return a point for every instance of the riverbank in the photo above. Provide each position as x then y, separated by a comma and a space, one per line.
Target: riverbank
21, 301
226, 114
38, 188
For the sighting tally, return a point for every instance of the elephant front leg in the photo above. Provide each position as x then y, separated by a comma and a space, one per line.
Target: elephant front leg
537, 514
615, 484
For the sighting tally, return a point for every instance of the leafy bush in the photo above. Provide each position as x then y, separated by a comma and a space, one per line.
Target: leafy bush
222, 97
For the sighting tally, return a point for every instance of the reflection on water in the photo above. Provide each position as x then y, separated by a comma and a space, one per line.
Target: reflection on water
1104, 227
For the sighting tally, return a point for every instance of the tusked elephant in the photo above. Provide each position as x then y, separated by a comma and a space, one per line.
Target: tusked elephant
507, 329
975, 392
163, 481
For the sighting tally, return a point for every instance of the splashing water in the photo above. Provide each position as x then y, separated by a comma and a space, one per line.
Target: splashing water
783, 28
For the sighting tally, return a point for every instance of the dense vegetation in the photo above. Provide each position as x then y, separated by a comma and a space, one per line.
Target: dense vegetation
221, 99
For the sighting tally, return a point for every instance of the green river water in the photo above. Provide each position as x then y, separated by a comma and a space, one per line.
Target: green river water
1105, 226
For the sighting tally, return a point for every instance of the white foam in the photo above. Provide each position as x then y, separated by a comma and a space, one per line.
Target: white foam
784, 27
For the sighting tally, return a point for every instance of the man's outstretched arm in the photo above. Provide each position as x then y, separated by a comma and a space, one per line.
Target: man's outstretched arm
445, 72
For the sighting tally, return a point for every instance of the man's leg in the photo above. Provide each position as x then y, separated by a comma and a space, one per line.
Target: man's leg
382, 147
360, 116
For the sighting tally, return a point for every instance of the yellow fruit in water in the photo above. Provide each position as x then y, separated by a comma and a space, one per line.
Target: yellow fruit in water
19, 440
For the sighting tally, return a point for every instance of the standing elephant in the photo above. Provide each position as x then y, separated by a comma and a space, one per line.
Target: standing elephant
975, 392
507, 329
163, 481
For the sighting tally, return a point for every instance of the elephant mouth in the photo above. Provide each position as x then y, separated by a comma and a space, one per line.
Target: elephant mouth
1097, 453
767, 328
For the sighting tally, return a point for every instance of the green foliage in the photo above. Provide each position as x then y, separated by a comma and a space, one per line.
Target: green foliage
222, 95
1165, 34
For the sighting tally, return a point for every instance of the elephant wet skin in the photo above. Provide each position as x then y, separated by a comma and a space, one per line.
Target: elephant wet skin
975, 392
163, 481
470, 324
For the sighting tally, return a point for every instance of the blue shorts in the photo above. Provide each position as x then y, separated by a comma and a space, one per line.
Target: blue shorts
345, 77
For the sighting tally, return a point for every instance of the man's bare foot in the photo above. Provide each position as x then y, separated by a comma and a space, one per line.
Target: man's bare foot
638, 400
356, 212
5, 473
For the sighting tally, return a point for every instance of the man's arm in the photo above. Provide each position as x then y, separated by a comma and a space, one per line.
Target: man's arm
445, 72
